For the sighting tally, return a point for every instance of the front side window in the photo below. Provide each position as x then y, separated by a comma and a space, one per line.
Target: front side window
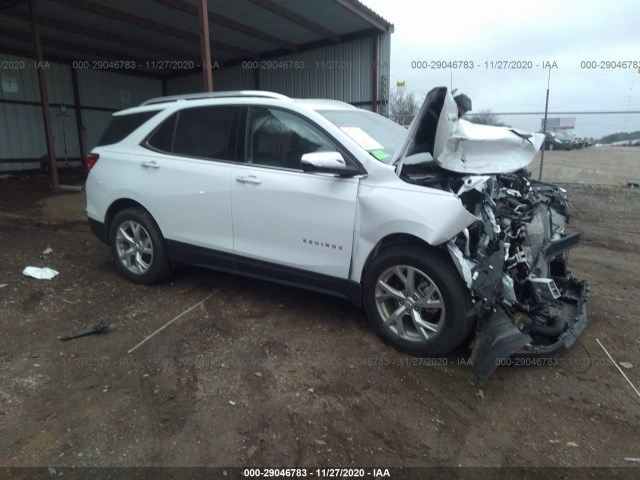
203, 132
279, 139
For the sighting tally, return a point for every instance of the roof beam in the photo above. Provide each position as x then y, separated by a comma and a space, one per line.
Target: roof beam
283, 12
97, 34
140, 22
356, 9
229, 23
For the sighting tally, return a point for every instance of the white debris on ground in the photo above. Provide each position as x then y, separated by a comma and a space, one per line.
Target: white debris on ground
41, 273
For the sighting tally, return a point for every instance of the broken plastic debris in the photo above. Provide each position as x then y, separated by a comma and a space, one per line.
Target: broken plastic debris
625, 364
44, 273
98, 328
45, 255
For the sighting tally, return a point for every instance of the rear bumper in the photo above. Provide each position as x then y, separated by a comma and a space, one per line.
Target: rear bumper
99, 229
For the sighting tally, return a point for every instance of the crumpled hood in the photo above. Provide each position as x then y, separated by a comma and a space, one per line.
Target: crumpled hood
477, 149
465, 147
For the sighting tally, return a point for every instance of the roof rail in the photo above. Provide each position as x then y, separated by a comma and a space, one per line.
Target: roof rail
222, 94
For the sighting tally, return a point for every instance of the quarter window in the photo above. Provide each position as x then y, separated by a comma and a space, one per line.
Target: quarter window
121, 126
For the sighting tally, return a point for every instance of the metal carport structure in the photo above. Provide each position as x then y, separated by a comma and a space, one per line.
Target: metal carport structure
342, 45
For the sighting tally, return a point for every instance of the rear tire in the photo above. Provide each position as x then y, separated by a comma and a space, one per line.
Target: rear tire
138, 248
416, 301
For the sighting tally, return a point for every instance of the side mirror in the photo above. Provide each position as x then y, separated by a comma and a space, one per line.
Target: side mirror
327, 162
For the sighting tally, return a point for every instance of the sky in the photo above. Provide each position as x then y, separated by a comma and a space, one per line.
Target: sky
567, 32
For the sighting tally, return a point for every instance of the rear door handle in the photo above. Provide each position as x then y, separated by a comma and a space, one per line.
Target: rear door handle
250, 179
150, 164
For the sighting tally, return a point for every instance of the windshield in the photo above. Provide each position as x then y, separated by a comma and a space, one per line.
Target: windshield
561, 135
376, 134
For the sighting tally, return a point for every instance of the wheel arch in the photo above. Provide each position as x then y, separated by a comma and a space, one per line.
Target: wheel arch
394, 240
118, 206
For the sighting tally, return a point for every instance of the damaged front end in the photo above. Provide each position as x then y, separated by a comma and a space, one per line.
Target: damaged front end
515, 265
514, 259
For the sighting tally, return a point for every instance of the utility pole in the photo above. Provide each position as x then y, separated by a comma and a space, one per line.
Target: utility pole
544, 125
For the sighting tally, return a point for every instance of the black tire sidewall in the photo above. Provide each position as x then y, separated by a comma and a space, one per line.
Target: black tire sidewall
454, 292
160, 265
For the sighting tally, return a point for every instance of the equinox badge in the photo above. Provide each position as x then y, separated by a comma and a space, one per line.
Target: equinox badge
322, 244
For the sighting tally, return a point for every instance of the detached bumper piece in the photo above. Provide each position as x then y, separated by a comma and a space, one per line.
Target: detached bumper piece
497, 339
507, 334
555, 248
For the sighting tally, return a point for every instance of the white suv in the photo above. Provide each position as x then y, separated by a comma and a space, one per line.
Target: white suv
427, 228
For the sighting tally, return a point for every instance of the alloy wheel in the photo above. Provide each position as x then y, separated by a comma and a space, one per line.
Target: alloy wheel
134, 247
410, 303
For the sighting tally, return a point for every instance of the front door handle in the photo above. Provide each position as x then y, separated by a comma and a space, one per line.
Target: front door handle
250, 179
150, 164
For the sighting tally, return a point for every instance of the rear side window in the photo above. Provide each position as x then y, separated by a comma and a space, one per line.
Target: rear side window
203, 132
121, 126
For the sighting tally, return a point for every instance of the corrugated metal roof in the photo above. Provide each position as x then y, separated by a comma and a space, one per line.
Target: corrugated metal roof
335, 16
169, 29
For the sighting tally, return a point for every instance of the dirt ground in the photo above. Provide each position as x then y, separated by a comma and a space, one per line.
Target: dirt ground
601, 166
266, 375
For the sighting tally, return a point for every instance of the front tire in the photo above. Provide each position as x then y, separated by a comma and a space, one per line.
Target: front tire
417, 301
138, 248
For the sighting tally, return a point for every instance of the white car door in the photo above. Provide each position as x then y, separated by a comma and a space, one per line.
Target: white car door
283, 215
185, 181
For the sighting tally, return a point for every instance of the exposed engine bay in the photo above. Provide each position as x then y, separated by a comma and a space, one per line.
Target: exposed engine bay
514, 262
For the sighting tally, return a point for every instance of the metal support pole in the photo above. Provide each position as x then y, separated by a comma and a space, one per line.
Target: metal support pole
205, 47
44, 97
76, 101
374, 77
544, 126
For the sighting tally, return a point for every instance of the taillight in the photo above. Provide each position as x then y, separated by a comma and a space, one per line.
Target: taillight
92, 158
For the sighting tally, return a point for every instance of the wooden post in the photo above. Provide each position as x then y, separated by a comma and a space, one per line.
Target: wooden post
205, 47
44, 97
